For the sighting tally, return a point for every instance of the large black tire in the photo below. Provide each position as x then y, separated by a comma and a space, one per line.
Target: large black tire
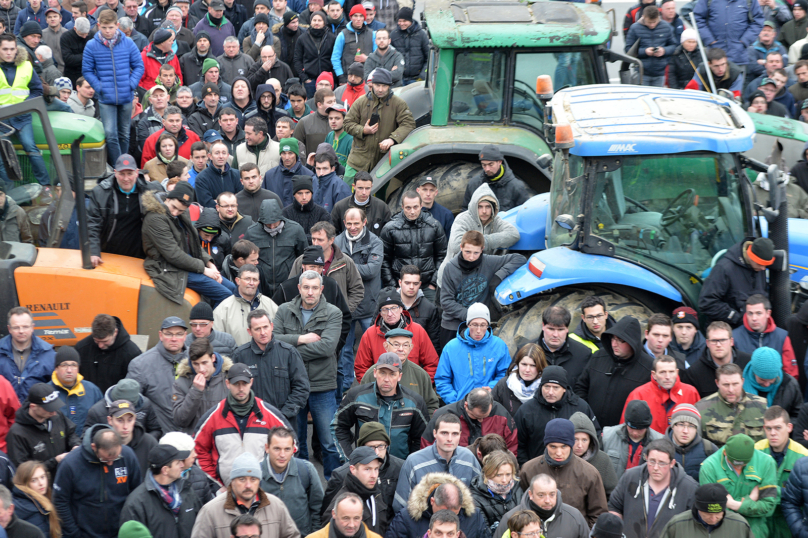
524, 325
452, 180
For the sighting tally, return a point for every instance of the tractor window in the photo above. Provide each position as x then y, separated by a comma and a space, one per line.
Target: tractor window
478, 85
565, 198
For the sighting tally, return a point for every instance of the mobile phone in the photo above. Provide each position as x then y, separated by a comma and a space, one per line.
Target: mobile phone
374, 119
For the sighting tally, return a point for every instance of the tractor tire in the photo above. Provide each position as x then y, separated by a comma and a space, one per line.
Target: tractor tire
452, 180
524, 326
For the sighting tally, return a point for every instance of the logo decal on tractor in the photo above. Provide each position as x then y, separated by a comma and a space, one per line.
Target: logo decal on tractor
622, 148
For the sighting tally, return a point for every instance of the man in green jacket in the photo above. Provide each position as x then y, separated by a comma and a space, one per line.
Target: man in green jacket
750, 477
786, 452
708, 518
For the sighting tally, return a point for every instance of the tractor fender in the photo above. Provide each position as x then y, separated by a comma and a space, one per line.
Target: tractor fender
530, 219
564, 267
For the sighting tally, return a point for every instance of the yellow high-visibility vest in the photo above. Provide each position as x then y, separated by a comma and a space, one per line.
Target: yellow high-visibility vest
17, 92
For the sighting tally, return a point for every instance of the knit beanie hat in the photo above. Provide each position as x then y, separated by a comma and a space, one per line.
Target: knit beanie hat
478, 310
638, 415
388, 296
202, 310
126, 389
357, 69
358, 9
245, 465
289, 144
30, 28
711, 498
63, 83
325, 75
174, 8
262, 17
739, 449
559, 430
766, 363
66, 354
404, 13
607, 526
313, 255
134, 529
686, 413
302, 183
802, 4
382, 76
162, 35
688, 34
288, 17
685, 314
554, 374
762, 249
207, 64
265, 3
372, 431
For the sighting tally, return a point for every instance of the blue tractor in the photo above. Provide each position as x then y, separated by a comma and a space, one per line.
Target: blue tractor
648, 191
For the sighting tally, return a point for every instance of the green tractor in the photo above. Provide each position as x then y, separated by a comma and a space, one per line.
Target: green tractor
480, 89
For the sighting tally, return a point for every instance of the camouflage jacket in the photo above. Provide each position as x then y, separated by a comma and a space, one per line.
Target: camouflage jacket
721, 420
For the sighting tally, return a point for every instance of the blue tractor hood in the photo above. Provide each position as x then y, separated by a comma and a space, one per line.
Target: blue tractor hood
530, 219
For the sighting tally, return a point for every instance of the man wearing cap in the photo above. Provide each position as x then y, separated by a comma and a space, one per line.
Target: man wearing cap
389, 403
509, 189
279, 179
765, 43
157, 54
554, 399
129, 390
41, 432
212, 236
486, 357
52, 34
411, 41
739, 274
688, 339
625, 443
759, 330
122, 417
750, 477
151, 120
428, 189
78, 394
363, 480
353, 44
769, 88
708, 518
231, 315
199, 384
337, 138
236, 425
201, 322
303, 209
172, 123
372, 142
578, 481
164, 503
685, 434
216, 25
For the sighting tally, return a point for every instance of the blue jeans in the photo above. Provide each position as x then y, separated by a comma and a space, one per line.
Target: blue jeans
345, 367
25, 134
116, 119
566, 71
323, 407
658, 82
210, 288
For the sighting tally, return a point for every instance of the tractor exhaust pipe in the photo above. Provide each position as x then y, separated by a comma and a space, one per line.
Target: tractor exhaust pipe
81, 207
780, 293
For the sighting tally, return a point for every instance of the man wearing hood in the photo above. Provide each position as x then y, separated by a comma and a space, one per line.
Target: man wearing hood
587, 447
280, 178
545, 500
313, 52
625, 443
258, 147
122, 418
554, 399
206, 116
266, 100
78, 394
95, 479
412, 42
332, 188
650, 495
509, 190
688, 339
199, 384
685, 434
104, 354
579, 482
312, 129
191, 63
214, 240
129, 390
719, 350
353, 44
613, 372
242, 97
217, 177
385, 56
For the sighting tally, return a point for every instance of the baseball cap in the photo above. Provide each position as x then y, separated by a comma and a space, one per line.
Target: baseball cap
121, 407
212, 136
126, 162
767, 80
428, 180
337, 107
45, 397
162, 455
216, 4
172, 321
182, 192
239, 372
159, 87
363, 455
390, 361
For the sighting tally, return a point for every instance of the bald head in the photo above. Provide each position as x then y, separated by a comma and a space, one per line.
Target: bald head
446, 497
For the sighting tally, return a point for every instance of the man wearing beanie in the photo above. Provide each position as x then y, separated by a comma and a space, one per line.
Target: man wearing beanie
157, 54
217, 26
211, 74
411, 41
244, 495
476, 358
554, 399
687, 338
509, 189
201, 321
191, 63
759, 330
77, 394
303, 210
608, 526
708, 518
356, 87
739, 274
664, 392
313, 53
385, 56
795, 29
750, 477
625, 443
579, 482
685, 434
353, 44
280, 178
126, 389
764, 377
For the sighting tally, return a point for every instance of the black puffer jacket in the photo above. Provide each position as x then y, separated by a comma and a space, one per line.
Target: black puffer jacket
219, 246
420, 242
572, 356
306, 215
388, 480
413, 43
105, 367
493, 507
607, 382
146, 505
28, 439
72, 53
313, 54
509, 190
681, 70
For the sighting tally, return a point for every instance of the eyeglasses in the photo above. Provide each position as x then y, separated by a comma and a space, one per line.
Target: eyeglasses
718, 341
593, 318
684, 426
400, 345
391, 310
378, 448
658, 464
529, 534
478, 326
200, 325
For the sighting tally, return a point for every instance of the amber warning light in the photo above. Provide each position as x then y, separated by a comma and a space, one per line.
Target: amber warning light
544, 87
563, 136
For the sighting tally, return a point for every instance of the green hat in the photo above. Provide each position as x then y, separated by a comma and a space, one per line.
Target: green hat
392, 333
372, 431
289, 144
134, 529
739, 449
207, 64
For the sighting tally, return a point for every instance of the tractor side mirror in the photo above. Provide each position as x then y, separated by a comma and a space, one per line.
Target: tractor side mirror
545, 161
565, 221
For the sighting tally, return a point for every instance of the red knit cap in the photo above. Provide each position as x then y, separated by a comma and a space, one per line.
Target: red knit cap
359, 9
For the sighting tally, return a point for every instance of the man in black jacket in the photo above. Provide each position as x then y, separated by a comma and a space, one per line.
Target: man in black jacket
614, 371
720, 350
40, 431
265, 357
363, 479
313, 52
164, 502
123, 419
106, 353
559, 348
377, 212
413, 43
509, 190
797, 326
191, 62
72, 45
422, 310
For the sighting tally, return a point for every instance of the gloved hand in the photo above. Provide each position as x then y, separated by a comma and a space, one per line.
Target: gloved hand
343, 79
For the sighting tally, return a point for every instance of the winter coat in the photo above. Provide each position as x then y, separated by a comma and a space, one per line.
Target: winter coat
83, 485
72, 46
367, 254
9, 404
30, 510
279, 70
28, 439
371, 346
311, 130
690, 457
692, 353
185, 137
791, 32
141, 444
37, 368
732, 80
616, 446
238, 66
348, 44
157, 169
533, 416
78, 399
788, 396
301, 492
155, 370
509, 190
191, 66
420, 242
306, 215
662, 401
249, 203
202, 121
377, 212
680, 70
760, 472
313, 55
149, 123
288, 291
144, 413
147, 506
9, 16
413, 44
14, 224
151, 66
220, 439
759, 51
748, 340
213, 521
685, 525
498, 422
573, 356
344, 272
388, 479
606, 382
395, 122
778, 527
796, 196
225, 91
27, 14
729, 284
332, 189
279, 373
660, 37
594, 455
566, 521
486, 362
631, 497
211, 182
721, 420
503, 395
392, 60
578, 481
493, 506
701, 373
114, 74
265, 155
223, 343
279, 181
217, 34
231, 315
189, 402
794, 494
728, 25
376, 514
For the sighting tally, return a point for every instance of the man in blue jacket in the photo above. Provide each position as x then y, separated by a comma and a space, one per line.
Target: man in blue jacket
113, 66
656, 45
25, 359
279, 179
34, 12
731, 25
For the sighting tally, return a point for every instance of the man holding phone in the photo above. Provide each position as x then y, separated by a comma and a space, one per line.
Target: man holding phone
654, 42
376, 125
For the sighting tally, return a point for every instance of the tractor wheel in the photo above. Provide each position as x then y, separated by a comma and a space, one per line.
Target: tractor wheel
524, 325
452, 179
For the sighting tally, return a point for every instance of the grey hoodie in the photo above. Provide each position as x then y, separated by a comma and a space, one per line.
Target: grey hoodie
598, 458
393, 61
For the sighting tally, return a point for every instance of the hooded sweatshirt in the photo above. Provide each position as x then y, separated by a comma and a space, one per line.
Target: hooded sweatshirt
218, 247
594, 455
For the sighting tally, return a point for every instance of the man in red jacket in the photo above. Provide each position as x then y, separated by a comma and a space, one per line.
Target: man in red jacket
9, 403
663, 393
157, 54
172, 122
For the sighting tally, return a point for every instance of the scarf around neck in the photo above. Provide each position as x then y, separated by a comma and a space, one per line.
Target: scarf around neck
522, 392
241, 409
170, 494
553, 463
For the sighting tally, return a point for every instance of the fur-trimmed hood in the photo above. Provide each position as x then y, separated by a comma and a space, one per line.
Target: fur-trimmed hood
22, 56
151, 204
418, 502
186, 370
